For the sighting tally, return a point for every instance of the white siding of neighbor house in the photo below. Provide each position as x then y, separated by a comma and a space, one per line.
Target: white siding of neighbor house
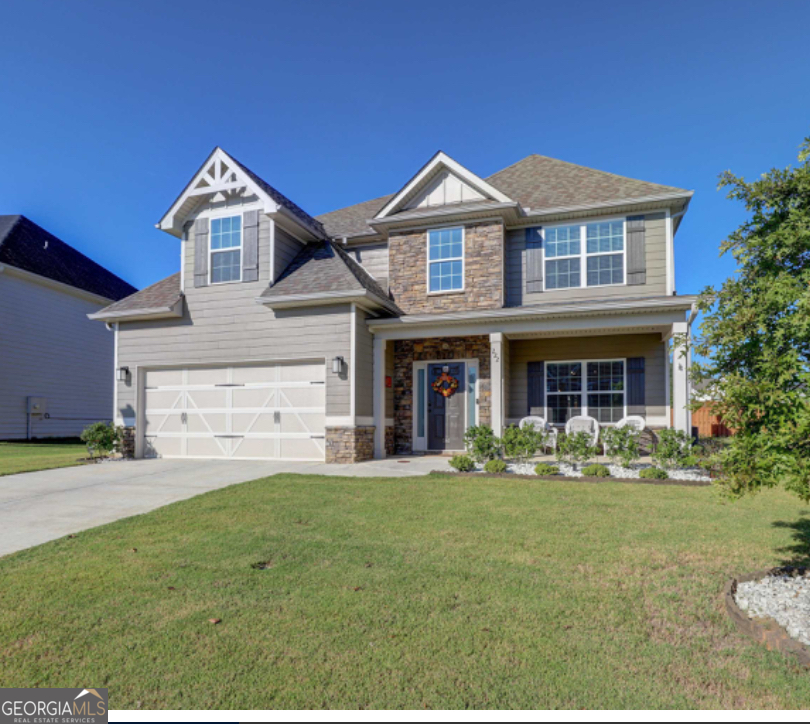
224, 324
48, 348
655, 240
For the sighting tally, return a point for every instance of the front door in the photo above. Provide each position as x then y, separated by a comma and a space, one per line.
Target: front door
446, 410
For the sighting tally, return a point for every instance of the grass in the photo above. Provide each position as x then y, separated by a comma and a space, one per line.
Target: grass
25, 457
433, 592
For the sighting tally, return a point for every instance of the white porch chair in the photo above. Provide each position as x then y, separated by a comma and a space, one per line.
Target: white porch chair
583, 423
539, 423
637, 422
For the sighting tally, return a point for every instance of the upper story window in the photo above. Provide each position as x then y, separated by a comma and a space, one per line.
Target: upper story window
598, 248
445, 260
226, 249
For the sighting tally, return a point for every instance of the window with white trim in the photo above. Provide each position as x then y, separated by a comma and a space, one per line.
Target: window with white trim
599, 394
446, 260
226, 249
597, 248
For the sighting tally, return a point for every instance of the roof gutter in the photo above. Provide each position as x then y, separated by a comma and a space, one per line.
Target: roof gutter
136, 315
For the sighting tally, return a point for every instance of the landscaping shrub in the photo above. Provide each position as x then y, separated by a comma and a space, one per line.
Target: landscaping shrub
674, 450
495, 466
462, 463
481, 443
521, 444
102, 438
575, 449
655, 473
622, 445
546, 469
596, 471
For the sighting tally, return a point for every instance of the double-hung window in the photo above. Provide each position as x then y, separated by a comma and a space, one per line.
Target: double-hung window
226, 249
597, 249
593, 388
446, 260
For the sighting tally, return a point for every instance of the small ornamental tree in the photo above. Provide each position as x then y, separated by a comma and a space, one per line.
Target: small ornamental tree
674, 450
622, 445
755, 335
521, 444
575, 448
481, 443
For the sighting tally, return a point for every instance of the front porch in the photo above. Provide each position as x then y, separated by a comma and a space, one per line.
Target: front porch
604, 366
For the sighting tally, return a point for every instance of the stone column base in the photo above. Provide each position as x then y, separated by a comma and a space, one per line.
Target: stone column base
128, 443
349, 444
390, 441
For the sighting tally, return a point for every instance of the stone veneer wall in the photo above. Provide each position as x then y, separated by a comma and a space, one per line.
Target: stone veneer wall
128, 443
349, 444
483, 271
390, 446
408, 351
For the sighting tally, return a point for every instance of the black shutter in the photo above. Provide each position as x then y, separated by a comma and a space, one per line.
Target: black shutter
636, 251
635, 386
250, 246
201, 253
536, 389
534, 260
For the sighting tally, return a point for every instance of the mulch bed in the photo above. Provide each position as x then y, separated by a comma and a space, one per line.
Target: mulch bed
764, 629
584, 479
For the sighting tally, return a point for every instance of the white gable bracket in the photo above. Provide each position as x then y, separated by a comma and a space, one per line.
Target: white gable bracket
220, 174
428, 171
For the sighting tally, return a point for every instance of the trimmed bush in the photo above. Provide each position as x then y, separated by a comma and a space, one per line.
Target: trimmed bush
521, 444
655, 473
462, 463
102, 438
597, 471
575, 449
674, 450
481, 443
621, 445
495, 466
546, 469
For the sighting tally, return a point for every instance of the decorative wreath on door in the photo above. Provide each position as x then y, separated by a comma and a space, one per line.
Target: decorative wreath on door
445, 384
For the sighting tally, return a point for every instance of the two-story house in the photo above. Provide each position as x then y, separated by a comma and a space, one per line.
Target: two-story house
393, 325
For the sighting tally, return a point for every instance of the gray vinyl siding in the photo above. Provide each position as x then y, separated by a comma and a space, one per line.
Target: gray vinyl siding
374, 259
516, 294
223, 324
364, 349
649, 346
49, 348
287, 249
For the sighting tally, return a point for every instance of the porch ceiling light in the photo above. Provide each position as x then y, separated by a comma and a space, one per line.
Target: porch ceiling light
337, 365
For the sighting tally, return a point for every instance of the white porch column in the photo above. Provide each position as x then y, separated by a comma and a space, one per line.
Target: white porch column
496, 381
680, 379
379, 398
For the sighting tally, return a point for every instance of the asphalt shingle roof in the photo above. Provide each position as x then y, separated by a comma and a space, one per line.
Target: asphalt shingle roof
159, 295
27, 246
536, 182
322, 266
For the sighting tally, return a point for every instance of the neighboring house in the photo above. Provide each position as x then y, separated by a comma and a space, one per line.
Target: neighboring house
547, 288
54, 362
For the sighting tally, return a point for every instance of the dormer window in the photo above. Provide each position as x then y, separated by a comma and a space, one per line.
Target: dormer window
226, 249
445, 260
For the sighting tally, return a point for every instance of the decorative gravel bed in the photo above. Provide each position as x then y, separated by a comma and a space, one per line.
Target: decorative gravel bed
781, 596
616, 471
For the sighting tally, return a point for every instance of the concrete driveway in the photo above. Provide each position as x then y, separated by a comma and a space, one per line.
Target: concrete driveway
38, 507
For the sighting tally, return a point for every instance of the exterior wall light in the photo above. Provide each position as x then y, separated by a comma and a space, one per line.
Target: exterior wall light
122, 374
337, 365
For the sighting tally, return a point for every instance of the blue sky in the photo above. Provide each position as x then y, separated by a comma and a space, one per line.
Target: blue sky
108, 108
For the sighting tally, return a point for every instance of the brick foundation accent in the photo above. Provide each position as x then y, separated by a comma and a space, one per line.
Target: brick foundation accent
483, 271
408, 351
349, 444
128, 443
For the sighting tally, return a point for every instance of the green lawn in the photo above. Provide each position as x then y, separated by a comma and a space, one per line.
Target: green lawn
419, 592
24, 457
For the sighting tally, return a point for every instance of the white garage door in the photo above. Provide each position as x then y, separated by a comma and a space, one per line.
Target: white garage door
268, 411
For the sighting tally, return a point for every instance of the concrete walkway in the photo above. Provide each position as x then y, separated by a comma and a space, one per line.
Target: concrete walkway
38, 507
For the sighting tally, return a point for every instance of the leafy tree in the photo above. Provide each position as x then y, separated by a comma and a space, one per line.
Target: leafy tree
755, 335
